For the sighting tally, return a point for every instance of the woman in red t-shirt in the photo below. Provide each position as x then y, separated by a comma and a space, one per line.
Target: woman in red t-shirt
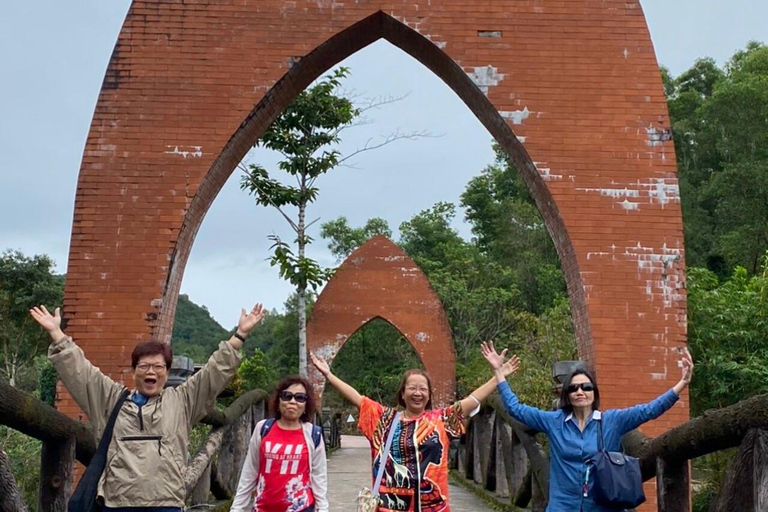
418, 457
285, 469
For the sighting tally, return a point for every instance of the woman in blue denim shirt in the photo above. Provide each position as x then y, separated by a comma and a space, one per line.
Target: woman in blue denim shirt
572, 429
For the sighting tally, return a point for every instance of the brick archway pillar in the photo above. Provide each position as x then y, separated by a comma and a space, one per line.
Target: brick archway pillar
571, 90
379, 280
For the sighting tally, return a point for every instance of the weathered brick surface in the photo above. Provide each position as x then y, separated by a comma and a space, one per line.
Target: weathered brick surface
379, 280
570, 89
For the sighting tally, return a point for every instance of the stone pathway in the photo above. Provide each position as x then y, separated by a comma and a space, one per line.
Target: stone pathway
348, 470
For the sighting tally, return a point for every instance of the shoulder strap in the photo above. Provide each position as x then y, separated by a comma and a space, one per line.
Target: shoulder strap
85, 494
317, 434
267, 426
385, 454
600, 443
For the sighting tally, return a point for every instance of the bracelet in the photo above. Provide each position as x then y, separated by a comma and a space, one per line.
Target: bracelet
473, 397
241, 338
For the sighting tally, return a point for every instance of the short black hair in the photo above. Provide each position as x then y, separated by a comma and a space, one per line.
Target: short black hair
565, 401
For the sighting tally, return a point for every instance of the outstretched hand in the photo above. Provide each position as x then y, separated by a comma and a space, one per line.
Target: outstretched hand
50, 323
248, 321
320, 364
496, 360
687, 361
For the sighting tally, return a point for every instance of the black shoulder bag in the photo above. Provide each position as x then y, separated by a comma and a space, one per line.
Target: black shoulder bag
618, 481
84, 497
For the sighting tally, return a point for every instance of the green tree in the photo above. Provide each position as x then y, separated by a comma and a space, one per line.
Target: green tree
720, 126
728, 336
511, 231
344, 239
24, 282
195, 332
303, 134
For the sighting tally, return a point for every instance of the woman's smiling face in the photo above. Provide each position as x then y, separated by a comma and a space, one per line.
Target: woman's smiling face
416, 394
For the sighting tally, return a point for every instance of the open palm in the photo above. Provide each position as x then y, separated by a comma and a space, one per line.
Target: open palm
45, 319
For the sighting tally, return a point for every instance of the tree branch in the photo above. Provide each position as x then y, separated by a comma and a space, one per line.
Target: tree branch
229, 415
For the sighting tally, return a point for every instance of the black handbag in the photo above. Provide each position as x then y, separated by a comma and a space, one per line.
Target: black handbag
84, 497
618, 480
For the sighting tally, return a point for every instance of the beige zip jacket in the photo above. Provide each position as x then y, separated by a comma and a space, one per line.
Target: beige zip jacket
148, 455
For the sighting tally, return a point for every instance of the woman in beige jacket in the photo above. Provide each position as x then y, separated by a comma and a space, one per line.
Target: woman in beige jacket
147, 456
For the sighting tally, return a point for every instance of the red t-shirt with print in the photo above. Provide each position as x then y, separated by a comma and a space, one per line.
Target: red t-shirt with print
283, 484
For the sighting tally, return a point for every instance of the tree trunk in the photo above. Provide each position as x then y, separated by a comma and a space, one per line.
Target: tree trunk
218, 487
536, 456
745, 487
10, 499
202, 460
301, 293
233, 451
239, 407
33, 417
202, 489
56, 464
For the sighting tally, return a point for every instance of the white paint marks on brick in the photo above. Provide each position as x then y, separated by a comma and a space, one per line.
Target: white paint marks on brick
660, 191
546, 172
185, 151
422, 337
485, 77
626, 53
516, 116
521, 139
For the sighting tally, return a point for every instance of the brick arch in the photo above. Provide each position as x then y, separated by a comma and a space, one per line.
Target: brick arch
576, 82
379, 280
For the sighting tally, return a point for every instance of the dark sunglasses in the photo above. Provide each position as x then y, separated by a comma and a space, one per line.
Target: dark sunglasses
585, 386
287, 396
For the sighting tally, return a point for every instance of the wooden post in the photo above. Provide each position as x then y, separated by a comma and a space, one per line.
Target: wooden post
56, 466
760, 471
673, 485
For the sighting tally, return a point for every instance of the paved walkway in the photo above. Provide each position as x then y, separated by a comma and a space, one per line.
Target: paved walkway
349, 470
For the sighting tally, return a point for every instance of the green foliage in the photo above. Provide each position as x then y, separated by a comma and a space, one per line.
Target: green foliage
343, 239
195, 333
300, 271
728, 337
302, 133
256, 372
46, 384
720, 126
510, 230
24, 282
24, 458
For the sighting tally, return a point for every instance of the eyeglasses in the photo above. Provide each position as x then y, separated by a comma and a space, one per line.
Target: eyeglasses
144, 367
287, 396
585, 386
414, 389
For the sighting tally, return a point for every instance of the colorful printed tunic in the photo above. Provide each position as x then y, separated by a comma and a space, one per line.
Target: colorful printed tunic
418, 457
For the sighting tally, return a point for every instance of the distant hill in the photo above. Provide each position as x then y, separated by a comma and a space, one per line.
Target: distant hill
195, 333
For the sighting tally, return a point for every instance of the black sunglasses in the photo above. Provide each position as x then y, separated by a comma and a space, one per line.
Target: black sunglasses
585, 386
287, 396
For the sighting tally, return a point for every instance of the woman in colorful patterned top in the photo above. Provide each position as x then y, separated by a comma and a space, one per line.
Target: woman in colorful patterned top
285, 469
418, 457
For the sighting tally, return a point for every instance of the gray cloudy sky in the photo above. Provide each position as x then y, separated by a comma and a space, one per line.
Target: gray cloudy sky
53, 59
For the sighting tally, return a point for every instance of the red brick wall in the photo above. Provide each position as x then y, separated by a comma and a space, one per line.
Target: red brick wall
570, 89
379, 280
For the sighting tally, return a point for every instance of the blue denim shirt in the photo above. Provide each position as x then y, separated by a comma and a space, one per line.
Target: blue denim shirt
570, 448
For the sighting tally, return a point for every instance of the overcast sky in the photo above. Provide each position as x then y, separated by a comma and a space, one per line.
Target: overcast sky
53, 58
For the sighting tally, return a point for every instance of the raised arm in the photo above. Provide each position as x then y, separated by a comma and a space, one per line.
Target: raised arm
93, 391
632, 417
342, 387
531, 416
473, 400
200, 391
